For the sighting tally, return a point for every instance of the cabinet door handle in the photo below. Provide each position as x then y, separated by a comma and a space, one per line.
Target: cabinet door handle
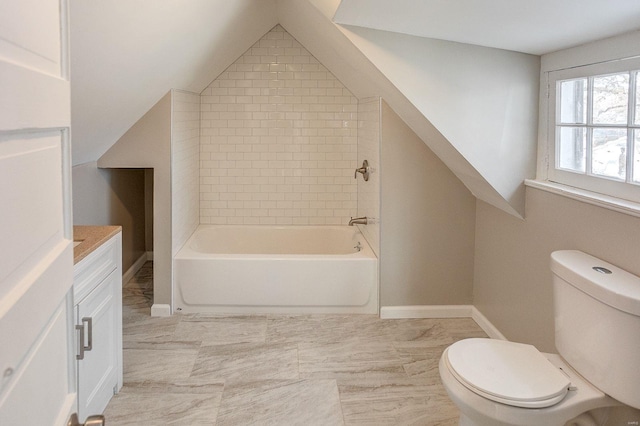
89, 322
81, 346
80, 329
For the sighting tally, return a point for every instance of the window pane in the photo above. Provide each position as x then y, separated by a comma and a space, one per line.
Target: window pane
637, 120
573, 101
609, 156
636, 157
572, 149
610, 99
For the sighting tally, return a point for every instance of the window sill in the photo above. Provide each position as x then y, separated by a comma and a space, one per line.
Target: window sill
611, 203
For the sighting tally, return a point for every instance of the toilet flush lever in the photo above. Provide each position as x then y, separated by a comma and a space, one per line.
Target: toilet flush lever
364, 170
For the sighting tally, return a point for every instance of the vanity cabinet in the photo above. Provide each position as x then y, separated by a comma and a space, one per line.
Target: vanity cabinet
98, 323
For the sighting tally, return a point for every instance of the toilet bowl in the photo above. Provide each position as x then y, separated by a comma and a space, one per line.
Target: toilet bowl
597, 334
485, 398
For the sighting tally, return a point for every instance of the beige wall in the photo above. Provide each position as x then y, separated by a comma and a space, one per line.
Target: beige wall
147, 144
427, 228
112, 197
148, 208
512, 280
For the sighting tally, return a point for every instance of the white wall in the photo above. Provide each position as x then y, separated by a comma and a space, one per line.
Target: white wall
484, 102
278, 140
185, 163
369, 149
623, 46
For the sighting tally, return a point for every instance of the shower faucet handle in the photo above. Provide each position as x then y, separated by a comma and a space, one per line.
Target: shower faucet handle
364, 170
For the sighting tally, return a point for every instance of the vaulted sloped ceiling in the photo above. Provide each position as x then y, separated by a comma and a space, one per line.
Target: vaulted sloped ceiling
475, 107
126, 55
536, 27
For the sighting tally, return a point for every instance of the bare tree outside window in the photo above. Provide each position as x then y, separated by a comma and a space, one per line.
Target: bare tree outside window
595, 132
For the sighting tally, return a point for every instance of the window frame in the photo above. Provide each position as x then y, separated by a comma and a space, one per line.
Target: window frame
596, 183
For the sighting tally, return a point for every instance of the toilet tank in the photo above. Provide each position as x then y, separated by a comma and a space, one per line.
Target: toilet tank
597, 322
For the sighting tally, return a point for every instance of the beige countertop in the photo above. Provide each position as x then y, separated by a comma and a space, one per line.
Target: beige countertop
91, 237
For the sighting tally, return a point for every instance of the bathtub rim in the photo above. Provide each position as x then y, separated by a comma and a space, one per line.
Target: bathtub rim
186, 252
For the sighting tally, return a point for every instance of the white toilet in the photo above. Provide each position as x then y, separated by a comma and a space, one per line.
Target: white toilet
597, 324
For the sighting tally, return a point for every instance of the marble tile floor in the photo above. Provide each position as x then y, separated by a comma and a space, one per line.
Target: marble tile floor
280, 369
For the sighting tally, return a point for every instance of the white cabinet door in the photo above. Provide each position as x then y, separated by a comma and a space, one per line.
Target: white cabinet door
36, 255
97, 370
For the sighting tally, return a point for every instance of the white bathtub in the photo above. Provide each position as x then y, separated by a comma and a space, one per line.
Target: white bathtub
276, 269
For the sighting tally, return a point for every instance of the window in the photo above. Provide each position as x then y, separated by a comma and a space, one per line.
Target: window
594, 128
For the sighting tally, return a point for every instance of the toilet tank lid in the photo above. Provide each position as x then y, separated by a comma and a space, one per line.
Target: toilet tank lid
618, 289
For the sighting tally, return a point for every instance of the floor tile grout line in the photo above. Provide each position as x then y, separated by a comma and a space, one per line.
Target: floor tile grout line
285, 337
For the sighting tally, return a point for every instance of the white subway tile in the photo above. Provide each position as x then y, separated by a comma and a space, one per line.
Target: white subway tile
285, 59
278, 132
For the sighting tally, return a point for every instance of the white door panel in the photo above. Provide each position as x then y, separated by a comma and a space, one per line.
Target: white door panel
34, 76
27, 96
30, 182
30, 34
48, 393
37, 374
31, 304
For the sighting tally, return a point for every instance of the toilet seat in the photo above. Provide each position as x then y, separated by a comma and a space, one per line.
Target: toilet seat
506, 372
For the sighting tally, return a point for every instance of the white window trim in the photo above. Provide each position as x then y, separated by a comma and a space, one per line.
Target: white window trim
546, 175
611, 203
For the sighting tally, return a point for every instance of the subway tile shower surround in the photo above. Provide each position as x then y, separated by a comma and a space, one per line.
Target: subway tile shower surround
185, 135
278, 140
369, 149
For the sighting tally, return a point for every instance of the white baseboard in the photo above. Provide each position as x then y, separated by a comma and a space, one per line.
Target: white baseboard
442, 311
486, 325
134, 268
426, 311
160, 310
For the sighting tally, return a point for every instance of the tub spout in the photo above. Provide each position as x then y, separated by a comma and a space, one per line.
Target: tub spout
358, 221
